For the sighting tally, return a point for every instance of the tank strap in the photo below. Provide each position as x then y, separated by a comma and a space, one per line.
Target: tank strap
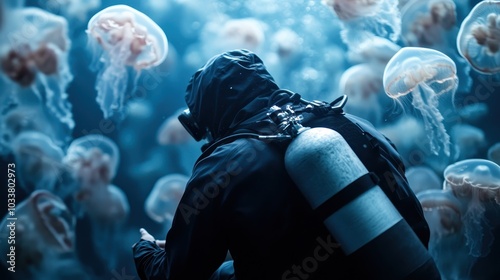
346, 195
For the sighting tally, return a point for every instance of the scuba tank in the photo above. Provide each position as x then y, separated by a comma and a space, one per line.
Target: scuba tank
347, 198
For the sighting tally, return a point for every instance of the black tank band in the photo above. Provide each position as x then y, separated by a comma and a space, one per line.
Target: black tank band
346, 195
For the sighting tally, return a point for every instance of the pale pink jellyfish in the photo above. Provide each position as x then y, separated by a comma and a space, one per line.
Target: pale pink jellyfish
246, 33
494, 153
44, 230
422, 178
164, 198
94, 160
479, 38
34, 55
122, 38
363, 19
427, 23
287, 44
477, 183
425, 75
443, 213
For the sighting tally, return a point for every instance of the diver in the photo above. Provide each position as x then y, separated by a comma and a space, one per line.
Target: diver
243, 217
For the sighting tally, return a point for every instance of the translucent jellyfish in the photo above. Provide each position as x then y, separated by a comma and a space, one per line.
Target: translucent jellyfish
44, 230
17, 119
477, 183
422, 178
286, 43
165, 197
426, 23
363, 19
122, 39
468, 139
494, 153
94, 158
363, 93
473, 112
172, 131
426, 74
479, 38
375, 50
443, 213
72, 9
39, 164
34, 55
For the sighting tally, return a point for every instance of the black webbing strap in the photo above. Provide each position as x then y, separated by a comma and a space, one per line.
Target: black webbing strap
346, 195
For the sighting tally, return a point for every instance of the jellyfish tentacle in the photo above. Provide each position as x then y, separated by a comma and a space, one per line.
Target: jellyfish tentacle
432, 118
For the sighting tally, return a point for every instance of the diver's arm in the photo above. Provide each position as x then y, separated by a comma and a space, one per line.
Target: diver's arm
149, 260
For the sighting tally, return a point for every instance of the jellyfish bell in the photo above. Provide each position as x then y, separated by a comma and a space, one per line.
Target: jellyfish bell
172, 132
34, 56
165, 196
376, 50
39, 162
474, 179
105, 205
477, 183
478, 40
94, 158
469, 140
422, 178
426, 23
44, 227
287, 44
425, 74
348, 9
363, 19
247, 33
442, 211
121, 37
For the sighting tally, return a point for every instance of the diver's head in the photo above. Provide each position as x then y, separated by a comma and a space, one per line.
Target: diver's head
229, 89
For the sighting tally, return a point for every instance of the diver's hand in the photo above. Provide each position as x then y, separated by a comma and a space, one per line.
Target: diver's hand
146, 236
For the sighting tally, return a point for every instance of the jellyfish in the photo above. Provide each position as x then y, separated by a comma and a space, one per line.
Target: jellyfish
422, 178
426, 23
478, 40
363, 19
164, 198
473, 112
443, 213
426, 74
122, 39
494, 153
34, 56
433, 24
477, 183
94, 160
39, 164
363, 94
172, 131
72, 9
375, 50
44, 230
469, 140
287, 44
